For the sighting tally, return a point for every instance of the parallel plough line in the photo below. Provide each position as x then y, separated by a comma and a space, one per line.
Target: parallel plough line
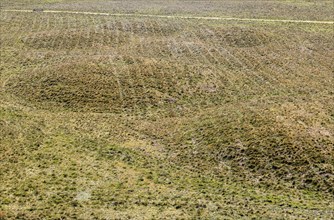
178, 17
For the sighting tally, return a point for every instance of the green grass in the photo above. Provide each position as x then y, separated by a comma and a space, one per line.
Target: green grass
118, 118
60, 172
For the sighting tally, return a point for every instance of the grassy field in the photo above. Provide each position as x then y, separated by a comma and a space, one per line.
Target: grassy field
284, 9
106, 117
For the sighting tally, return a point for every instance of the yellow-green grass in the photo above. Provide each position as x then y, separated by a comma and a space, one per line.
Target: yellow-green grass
104, 117
274, 9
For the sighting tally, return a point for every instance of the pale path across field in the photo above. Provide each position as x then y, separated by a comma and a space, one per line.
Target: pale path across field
178, 16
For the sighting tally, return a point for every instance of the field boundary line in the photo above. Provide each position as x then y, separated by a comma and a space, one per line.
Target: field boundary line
174, 16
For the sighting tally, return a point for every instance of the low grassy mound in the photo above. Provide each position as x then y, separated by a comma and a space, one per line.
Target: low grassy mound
110, 34
289, 143
58, 171
240, 37
245, 37
74, 38
120, 83
144, 28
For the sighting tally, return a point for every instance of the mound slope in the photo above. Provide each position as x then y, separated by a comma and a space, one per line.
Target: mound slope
291, 143
123, 83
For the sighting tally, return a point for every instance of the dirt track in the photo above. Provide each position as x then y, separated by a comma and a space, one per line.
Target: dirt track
179, 17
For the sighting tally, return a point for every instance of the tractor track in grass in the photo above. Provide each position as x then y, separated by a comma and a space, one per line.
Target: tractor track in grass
174, 16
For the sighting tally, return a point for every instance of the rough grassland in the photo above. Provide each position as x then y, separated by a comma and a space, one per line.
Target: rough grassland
138, 118
279, 9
